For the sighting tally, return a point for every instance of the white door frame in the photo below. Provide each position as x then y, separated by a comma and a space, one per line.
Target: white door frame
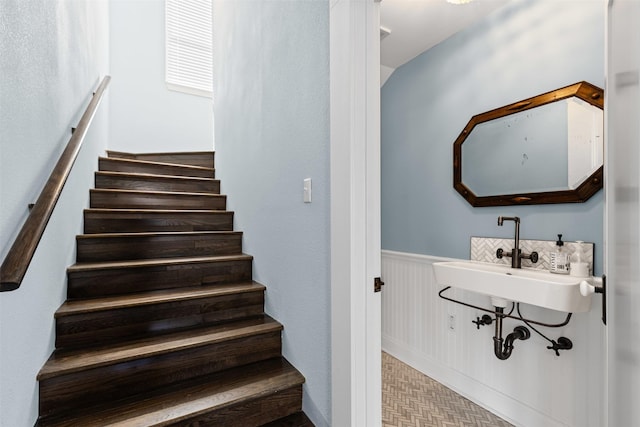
622, 228
355, 213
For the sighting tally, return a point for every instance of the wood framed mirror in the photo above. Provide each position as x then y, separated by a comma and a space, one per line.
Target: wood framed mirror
545, 149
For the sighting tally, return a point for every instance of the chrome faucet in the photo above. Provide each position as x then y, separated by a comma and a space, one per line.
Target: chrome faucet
516, 254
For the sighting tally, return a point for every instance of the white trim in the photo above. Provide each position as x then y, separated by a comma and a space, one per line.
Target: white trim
409, 256
373, 306
341, 388
607, 202
354, 147
189, 90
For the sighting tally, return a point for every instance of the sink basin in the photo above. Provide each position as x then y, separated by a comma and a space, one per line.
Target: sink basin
505, 284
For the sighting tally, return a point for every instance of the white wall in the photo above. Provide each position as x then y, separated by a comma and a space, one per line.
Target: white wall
53, 55
272, 131
145, 115
533, 388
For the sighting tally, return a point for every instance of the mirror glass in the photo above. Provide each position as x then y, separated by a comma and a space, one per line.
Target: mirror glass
553, 147
541, 150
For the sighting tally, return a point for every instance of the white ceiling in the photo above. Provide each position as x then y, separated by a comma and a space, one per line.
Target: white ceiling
418, 25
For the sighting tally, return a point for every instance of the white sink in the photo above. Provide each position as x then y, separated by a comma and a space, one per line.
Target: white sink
505, 284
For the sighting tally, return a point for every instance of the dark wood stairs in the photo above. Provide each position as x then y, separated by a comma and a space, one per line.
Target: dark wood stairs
163, 325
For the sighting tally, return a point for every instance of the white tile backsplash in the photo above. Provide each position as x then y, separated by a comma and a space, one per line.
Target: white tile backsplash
484, 249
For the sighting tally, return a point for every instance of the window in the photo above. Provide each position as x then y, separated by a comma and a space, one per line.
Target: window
189, 50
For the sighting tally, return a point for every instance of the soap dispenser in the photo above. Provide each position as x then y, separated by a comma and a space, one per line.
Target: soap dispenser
579, 264
559, 259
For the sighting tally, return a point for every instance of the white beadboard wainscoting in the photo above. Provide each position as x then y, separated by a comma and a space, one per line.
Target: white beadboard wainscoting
533, 388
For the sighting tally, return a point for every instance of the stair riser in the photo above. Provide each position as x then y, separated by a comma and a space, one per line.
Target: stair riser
115, 165
126, 200
78, 390
157, 184
111, 248
91, 329
125, 222
98, 283
253, 414
204, 159
297, 419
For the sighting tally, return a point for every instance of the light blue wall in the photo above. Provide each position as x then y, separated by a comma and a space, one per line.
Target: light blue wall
52, 55
272, 132
521, 50
145, 115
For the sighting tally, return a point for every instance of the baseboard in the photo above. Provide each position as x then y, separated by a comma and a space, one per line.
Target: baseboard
511, 410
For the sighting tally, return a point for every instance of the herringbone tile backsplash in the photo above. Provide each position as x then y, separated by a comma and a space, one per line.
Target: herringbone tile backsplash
484, 249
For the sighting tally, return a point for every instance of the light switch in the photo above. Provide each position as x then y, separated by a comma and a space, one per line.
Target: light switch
307, 190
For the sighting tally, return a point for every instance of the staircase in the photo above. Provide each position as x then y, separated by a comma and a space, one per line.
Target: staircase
163, 325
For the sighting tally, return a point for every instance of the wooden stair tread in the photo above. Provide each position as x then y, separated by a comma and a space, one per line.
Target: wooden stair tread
139, 162
62, 363
173, 405
157, 211
109, 164
109, 220
88, 266
143, 234
155, 176
150, 199
111, 153
194, 158
154, 297
153, 182
151, 193
156, 244
95, 279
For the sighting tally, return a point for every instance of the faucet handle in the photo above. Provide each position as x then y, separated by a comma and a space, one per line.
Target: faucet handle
562, 344
481, 321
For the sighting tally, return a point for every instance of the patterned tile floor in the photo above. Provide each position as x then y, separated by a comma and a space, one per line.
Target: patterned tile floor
410, 398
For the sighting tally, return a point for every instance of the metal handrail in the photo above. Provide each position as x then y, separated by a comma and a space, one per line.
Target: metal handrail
17, 260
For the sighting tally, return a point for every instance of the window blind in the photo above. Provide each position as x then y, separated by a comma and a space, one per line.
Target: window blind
189, 49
